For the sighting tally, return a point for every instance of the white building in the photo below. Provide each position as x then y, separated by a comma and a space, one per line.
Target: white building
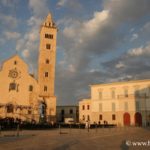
120, 103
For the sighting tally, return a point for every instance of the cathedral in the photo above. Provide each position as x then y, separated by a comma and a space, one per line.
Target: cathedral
22, 96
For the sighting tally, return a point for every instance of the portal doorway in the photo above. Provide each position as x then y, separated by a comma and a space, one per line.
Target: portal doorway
42, 112
138, 119
126, 119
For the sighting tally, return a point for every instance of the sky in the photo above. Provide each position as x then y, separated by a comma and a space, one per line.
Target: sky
98, 41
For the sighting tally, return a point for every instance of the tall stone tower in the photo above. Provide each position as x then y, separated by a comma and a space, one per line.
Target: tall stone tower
46, 67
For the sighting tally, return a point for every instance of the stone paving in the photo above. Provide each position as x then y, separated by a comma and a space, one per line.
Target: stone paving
77, 139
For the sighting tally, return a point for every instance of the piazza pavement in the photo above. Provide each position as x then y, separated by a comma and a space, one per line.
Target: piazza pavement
77, 139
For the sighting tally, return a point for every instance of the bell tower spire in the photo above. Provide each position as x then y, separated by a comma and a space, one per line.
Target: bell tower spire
48, 22
46, 66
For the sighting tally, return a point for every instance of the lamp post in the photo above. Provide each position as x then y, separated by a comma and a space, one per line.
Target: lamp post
0, 130
145, 110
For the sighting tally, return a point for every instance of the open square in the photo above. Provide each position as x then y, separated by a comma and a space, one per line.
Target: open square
77, 139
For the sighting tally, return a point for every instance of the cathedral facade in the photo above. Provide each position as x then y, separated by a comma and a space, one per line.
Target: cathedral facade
24, 97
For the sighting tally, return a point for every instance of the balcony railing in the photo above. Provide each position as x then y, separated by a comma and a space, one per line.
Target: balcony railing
142, 96
126, 96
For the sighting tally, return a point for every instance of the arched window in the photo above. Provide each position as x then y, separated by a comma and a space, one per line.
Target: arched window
113, 117
62, 111
30, 88
45, 88
126, 92
12, 86
100, 95
100, 107
47, 61
48, 46
46, 74
83, 107
71, 111
113, 107
15, 62
83, 117
100, 117
113, 94
10, 108
88, 117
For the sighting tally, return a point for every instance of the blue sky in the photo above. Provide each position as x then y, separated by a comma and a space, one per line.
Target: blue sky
98, 40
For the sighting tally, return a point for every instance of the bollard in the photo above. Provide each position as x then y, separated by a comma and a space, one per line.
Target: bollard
70, 128
96, 128
79, 128
18, 130
0, 130
88, 127
59, 129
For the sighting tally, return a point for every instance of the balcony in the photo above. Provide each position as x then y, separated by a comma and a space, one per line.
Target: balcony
129, 96
133, 96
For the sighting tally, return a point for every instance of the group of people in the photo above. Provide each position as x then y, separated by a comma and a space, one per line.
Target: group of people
87, 124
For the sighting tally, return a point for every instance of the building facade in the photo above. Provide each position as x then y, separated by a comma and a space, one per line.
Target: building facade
84, 110
64, 112
46, 67
19, 91
24, 97
120, 103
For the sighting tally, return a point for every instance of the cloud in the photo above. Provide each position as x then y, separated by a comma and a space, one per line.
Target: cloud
146, 28
134, 37
140, 51
2, 41
119, 65
144, 31
134, 63
84, 37
11, 35
84, 41
33, 21
28, 44
8, 25
9, 3
127, 10
8, 21
71, 68
25, 44
72, 86
71, 4
30, 37
86, 28
39, 7
136, 52
20, 44
96, 23
26, 53
61, 3
99, 34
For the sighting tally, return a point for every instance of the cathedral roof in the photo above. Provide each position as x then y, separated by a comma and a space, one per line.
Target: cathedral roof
14, 57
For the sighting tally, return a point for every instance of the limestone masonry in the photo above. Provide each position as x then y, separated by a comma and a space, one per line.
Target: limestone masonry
21, 95
121, 103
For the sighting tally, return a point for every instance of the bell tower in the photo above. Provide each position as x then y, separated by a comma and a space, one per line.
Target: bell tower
46, 66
